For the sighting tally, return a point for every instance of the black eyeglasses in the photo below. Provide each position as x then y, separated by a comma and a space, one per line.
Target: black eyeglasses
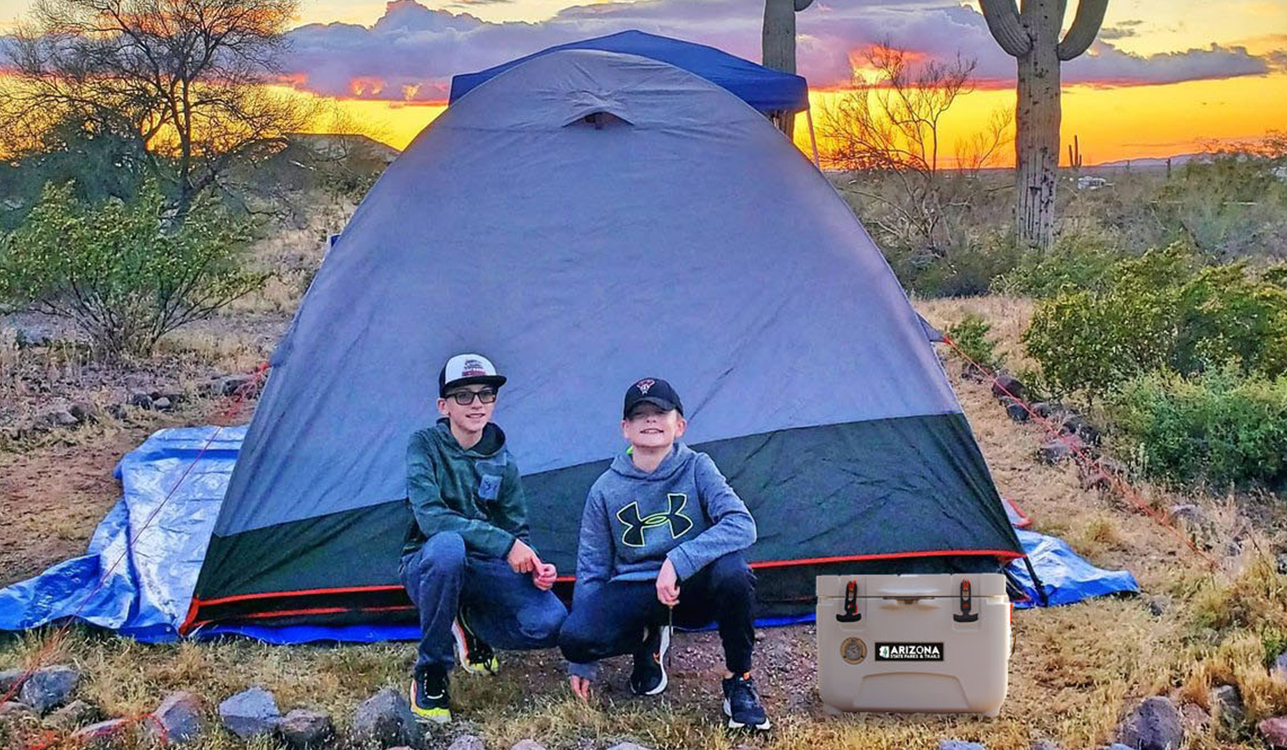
465, 398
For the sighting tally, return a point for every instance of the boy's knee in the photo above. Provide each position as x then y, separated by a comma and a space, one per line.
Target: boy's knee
443, 554
579, 641
543, 623
730, 576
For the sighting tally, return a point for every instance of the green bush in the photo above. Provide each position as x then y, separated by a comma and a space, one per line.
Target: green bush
964, 271
1160, 311
1075, 261
971, 336
1220, 427
119, 271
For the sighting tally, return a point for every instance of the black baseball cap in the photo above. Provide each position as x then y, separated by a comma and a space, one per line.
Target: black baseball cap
468, 369
653, 391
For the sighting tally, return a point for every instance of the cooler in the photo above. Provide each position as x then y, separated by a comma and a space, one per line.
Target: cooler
935, 643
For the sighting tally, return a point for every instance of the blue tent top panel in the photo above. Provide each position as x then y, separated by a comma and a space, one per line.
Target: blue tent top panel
764, 89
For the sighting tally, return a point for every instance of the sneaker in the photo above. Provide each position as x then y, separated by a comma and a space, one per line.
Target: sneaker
429, 697
472, 653
742, 703
649, 676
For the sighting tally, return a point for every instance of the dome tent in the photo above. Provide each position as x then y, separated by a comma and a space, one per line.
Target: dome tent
674, 234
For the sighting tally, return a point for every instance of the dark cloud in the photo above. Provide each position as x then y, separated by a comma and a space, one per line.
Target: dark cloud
412, 51
1109, 33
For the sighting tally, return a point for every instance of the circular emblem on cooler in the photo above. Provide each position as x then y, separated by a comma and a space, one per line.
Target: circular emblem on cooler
853, 650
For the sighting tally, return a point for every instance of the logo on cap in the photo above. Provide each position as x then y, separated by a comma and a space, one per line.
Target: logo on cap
472, 368
645, 384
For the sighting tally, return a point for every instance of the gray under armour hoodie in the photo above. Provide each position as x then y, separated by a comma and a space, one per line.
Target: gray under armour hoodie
634, 520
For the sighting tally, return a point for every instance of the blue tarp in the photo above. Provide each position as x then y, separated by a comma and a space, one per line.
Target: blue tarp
763, 88
147, 593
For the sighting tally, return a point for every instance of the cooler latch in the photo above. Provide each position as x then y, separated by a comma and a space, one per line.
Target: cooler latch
967, 613
851, 613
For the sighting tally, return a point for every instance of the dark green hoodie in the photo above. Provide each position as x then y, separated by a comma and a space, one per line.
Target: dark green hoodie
475, 493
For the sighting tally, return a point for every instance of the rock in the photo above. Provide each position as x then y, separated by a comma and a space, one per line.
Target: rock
117, 411
1226, 704
467, 742
1060, 449
1282, 564
1045, 745
1195, 717
1046, 410
177, 719
1274, 731
970, 372
302, 728
250, 713
1278, 672
1099, 474
1195, 521
527, 745
628, 746
100, 734
49, 687
1076, 424
1014, 409
73, 715
83, 411
233, 383
1007, 385
64, 419
1156, 724
959, 745
14, 712
386, 718
162, 404
140, 399
26, 339
1118, 746
1159, 605
9, 678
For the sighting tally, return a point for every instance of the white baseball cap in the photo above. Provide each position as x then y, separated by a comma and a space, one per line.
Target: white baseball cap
468, 369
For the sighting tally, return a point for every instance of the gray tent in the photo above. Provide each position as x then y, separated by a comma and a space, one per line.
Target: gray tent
586, 219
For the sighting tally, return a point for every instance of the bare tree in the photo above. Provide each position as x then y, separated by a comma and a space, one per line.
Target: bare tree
188, 76
891, 125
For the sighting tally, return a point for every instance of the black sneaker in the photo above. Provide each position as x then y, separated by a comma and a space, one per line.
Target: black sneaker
649, 675
472, 653
429, 697
742, 703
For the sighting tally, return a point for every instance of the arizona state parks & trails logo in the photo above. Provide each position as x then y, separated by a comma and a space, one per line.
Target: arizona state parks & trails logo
853, 650
909, 652
634, 524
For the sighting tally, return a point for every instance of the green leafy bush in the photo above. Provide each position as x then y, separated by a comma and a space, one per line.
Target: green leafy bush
1221, 427
119, 271
1076, 261
1161, 311
971, 336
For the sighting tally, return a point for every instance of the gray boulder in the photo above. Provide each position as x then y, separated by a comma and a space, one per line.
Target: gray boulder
1156, 724
140, 399
1195, 521
1076, 424
527, 745
162, 404
385, 718
1274, 731
64, 418
104, 733
959, 745
49, 687
1045, 745
1226, 704
73, 715
1060, 449
177, 719
1014, 409
83, 411
250, 713
1279, 670
1007, 385
467, 742
302, 728
13, 712
9, 678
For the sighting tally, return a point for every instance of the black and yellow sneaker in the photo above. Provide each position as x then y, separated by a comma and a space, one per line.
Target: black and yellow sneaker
429, 698
472, 653
742, 703
649, 675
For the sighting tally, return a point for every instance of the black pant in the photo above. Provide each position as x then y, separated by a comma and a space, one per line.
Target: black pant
611, 620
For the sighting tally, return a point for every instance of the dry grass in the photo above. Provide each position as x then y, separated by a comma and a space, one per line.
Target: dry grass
1076, 671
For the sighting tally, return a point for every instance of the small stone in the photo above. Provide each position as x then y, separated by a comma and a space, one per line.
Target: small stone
177, 719
1076, 424
9, 678
250, 713
73, 715
13, 712
49, 687
1226, 704
1156, 724
1100, 473
1014, 409
1007, 385
1282, 564
628, 746
64, 419
100, 734
1045, 745
1274, 731
302, 728
528, 744
1060, 449
959, 745
1195, 521
141, 400
1159, 605
117, 411
385, 718
26, 339
1046, 410
1195, 717
1278, 672
234, 383
1118, 746
162, 404
467, 742
83, 411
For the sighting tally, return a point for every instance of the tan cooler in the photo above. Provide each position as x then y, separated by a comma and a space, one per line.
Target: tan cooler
936, 643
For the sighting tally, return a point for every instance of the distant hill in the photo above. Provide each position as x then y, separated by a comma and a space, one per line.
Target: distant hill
1149, 162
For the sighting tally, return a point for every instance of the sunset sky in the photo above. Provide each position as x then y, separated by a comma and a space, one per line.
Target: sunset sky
1163, 76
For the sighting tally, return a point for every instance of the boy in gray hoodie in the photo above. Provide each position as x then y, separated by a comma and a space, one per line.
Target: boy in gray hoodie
662, 536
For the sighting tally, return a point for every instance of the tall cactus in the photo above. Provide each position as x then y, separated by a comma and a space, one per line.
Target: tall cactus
779, 45
1032, 36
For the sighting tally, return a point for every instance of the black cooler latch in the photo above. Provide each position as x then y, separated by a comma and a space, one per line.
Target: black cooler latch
967, 613
851, 613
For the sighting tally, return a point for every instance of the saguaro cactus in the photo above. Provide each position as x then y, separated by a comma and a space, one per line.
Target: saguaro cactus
779, 45
1031, 35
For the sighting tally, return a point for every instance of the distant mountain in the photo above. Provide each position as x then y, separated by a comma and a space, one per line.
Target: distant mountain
1148, 162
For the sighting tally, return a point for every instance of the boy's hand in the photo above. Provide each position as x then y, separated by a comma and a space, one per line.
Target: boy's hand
521, 558
544, 575
668, 584
580, 687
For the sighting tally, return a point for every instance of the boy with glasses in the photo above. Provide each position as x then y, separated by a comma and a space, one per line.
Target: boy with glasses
662, 536
467, 563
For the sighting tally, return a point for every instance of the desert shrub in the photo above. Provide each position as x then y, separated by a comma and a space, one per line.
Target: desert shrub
970, 335
1075, 261
1161, 311
1221, 427
964, 270
120, 271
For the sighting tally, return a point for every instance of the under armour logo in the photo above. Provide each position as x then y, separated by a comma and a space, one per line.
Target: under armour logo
633, 536
645, 384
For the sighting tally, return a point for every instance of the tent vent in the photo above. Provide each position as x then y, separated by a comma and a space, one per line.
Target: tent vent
600, 120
